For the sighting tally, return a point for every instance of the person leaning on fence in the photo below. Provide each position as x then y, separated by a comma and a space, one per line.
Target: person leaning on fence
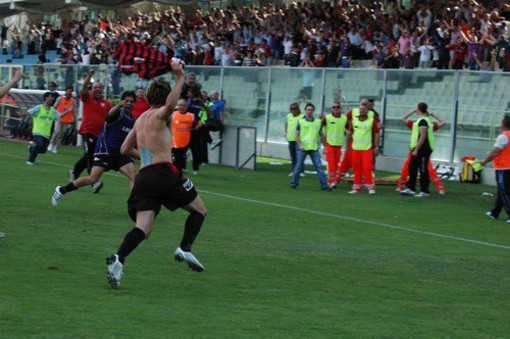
63, 104
43, 116
422, 144
500, 156
404, 172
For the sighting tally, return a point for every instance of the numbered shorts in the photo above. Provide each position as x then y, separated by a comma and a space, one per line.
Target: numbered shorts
159, 184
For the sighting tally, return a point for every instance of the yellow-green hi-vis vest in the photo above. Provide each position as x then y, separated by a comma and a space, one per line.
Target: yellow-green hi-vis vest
362, 133
309, 132
335, 129
42, 121
415, 133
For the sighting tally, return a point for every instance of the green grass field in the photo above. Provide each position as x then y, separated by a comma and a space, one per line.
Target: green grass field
280, 263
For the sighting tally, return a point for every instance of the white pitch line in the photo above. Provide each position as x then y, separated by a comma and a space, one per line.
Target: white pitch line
362, 221
300, 209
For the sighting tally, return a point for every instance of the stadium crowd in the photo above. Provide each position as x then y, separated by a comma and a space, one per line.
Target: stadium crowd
439, 34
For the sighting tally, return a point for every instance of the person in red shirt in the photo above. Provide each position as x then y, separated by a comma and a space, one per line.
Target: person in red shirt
95, 109
141, 104
404, 172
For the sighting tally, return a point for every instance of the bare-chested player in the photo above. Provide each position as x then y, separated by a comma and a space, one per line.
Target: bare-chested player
159, 182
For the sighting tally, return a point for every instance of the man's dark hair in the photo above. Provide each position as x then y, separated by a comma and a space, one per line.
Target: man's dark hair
157, 92
506, 121
47, 94
128, 94
311, 105
423, 107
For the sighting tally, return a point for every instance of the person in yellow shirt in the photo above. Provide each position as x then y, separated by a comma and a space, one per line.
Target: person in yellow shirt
334, 125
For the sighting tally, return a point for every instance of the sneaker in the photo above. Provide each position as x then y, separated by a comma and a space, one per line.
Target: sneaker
441, 192
2, 234
422, 195
490, 215
195, 172
114, 270
189, 258
302, 174
354, 192
326, 189
333, 185
508, 221
54, 150
56, 196
96, 187
214, 144
30, 163
371, 192
72, 176
407, 192
50, 148
290, 174
399, 189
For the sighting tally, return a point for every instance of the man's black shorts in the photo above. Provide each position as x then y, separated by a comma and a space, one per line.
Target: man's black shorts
159, 184
111, 162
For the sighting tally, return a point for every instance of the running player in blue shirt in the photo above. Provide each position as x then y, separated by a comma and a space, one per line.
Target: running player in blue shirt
107, 156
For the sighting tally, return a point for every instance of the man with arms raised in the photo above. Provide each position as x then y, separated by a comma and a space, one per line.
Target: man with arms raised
158, 182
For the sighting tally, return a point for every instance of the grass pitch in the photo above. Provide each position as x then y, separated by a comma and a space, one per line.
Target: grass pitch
280, 263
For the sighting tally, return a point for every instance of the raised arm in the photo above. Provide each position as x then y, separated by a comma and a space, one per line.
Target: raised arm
405, 117
171, 100
15, 79
440, 121
86, 82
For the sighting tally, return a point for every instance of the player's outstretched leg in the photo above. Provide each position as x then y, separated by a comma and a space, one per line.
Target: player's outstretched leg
189, 258
113, 270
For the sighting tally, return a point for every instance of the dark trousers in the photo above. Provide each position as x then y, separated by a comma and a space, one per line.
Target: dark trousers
419, 163
86, 161
196, 146
40, 146
293, 154
503, 199
180, 157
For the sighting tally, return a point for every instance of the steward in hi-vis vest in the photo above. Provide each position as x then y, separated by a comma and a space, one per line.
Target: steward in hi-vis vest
43, 116
308, 135
364, 133
334, 125
421, 144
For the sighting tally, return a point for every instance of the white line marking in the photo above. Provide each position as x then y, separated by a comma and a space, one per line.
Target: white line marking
300, 209
362, 221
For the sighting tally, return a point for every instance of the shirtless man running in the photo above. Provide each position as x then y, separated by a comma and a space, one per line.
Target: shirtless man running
158, 182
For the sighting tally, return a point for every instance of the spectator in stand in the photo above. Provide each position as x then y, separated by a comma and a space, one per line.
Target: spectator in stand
459, 50
141, 103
